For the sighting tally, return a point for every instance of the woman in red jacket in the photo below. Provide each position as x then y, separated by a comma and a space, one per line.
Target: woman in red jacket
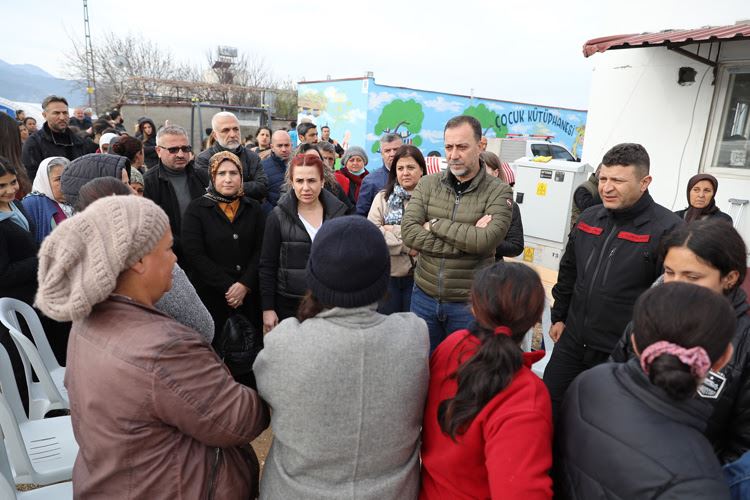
487, 429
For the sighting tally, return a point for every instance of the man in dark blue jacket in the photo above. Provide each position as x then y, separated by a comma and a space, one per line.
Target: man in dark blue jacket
375, 182
275, 167
612, 256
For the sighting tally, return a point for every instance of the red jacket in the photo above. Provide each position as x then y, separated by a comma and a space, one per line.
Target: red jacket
506, 452
350, 183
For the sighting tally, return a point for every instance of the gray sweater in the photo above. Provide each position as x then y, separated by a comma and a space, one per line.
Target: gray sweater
182, 303
347, 389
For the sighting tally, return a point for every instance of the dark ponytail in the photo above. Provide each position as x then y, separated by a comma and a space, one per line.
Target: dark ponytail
688, 316
505, 294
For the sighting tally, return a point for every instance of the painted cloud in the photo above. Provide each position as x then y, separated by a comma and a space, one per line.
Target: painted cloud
379, 98
442, 105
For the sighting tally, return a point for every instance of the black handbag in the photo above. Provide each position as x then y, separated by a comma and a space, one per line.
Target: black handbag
238, 346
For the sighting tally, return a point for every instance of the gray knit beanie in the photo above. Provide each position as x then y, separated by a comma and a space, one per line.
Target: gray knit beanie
354, 151
79, 262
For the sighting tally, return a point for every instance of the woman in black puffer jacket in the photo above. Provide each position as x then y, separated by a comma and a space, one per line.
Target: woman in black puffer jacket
290, 230
635, 429
712, 254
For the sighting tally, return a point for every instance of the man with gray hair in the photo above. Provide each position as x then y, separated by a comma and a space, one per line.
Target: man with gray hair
174, 182
226, 131
376, 181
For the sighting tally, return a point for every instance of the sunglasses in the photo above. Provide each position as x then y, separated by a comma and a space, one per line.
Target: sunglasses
174, 150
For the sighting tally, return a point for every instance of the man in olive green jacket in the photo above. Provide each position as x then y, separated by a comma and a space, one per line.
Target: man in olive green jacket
455, 219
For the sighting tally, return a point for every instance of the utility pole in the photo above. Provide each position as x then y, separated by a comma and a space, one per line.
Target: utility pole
90, 73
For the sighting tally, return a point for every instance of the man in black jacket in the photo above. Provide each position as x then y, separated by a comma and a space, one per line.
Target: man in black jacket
610, 259
53, 139
226, 129
174, 182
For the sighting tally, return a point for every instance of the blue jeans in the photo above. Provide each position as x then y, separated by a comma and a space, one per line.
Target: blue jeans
443, 318
398, 298
737, 475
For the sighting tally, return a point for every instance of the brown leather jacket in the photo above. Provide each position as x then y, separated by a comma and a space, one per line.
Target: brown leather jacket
155, 412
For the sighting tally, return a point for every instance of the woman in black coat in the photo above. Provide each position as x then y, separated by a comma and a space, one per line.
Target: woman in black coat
221, 236
712, 254
635, 429
701, 196
290, 230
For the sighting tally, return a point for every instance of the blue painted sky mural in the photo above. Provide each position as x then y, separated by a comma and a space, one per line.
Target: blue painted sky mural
359, 111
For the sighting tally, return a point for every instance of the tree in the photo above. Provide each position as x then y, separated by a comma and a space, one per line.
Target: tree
487, 118
135, 69
116, 59
403, 118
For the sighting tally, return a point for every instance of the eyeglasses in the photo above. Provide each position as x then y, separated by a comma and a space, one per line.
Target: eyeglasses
174, 150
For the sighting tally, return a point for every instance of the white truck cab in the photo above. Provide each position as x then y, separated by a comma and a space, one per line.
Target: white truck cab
514, 146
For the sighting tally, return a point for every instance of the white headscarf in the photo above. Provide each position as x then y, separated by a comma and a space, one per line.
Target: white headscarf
42, 184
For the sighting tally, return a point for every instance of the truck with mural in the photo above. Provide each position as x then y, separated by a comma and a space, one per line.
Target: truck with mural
363, 110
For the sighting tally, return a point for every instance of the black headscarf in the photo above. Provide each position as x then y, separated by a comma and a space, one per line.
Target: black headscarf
693, 213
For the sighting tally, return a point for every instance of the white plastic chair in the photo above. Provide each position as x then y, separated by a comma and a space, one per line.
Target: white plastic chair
61, 491
49, 393
40, 451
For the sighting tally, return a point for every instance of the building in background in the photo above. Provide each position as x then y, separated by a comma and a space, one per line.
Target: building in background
359, 111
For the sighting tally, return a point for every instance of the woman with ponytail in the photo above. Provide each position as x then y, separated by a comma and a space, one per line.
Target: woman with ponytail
487, 430
635, 429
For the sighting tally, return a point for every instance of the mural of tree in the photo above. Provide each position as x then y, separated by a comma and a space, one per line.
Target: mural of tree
403, 118
487, 118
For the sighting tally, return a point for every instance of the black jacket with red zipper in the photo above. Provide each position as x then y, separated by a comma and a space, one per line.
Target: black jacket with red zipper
612, 256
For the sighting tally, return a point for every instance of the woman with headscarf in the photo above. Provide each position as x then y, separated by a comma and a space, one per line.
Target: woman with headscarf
155, 412
222, 232
701, 196
46, 203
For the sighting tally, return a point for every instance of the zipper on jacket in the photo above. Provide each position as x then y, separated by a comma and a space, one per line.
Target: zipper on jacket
609, 264
592, 282
442, 261
212, 477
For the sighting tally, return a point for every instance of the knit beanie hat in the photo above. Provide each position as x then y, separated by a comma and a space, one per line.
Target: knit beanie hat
79, 262
349, 263
354, 151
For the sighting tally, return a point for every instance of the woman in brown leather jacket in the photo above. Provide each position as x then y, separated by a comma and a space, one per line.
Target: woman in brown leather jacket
155, 412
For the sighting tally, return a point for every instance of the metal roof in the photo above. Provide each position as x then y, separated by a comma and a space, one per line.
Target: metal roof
707, 34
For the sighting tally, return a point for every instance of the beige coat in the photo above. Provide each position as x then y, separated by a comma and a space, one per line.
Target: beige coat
401, 263
154, 410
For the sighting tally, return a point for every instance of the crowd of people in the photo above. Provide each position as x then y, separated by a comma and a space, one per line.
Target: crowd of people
391, 324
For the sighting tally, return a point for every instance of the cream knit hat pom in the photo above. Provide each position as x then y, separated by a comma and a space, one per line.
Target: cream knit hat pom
79, 262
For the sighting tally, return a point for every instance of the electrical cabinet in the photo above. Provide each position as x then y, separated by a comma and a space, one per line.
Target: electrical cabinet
544, 193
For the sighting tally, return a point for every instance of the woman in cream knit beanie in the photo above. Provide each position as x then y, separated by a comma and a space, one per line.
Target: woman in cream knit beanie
80, 261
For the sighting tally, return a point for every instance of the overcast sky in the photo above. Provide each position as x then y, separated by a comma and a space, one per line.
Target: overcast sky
522, 51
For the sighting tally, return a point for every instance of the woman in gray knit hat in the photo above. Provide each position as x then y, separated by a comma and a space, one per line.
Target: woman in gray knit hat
347, 385
154, 411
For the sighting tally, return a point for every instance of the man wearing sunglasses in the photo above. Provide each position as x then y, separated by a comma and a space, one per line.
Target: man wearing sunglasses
226, 130
174, 182
53, 139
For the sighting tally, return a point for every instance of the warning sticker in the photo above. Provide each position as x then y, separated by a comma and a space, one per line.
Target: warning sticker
528, 254
541, 189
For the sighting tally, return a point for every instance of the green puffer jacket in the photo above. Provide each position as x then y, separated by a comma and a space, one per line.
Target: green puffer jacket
454, 247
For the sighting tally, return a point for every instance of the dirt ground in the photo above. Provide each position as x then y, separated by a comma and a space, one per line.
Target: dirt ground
261, 445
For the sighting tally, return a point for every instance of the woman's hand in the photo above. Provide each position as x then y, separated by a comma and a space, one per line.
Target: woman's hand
270, 320
236, 295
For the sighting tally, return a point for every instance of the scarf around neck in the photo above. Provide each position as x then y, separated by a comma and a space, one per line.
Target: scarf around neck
395, 211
